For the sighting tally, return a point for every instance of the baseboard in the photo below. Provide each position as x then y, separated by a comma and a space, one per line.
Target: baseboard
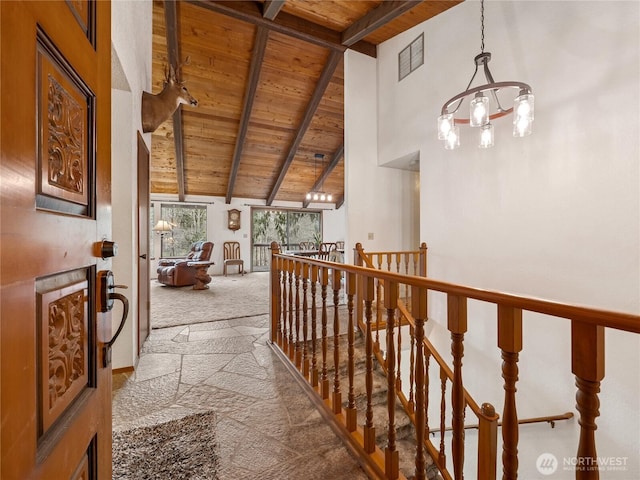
115, 371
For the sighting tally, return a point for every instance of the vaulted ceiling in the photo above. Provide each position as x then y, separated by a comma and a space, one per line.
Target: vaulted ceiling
269, 80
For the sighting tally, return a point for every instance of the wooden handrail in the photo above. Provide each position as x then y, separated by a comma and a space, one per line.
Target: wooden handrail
587, 340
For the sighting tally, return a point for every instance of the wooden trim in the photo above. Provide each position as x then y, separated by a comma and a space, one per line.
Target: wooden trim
271, 8
173, 52
340, 202
335, 159
286, 24
129, 369
259, 46
323, 82
383, 14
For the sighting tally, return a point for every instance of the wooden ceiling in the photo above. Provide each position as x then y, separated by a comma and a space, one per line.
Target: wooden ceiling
269, 80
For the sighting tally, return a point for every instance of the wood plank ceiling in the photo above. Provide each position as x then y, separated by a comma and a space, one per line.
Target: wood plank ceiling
269, 79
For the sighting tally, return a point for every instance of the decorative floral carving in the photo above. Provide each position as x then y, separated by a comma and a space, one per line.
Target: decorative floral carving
66, 139
66, 344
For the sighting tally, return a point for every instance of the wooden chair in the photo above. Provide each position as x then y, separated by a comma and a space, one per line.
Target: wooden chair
340, 245
325, 249
307, 246
232, 257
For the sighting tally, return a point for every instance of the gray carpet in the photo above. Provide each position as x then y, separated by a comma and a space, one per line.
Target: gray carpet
229, 297
235, 296
180, 449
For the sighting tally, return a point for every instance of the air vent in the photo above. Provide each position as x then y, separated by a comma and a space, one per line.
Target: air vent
411, 57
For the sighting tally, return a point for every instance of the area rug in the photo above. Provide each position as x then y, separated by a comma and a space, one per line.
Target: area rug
178, 449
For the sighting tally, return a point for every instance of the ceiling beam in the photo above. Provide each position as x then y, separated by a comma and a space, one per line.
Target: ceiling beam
375, 19
286, 24
259, 46
271, 8
321, 86
173, 52
335, 159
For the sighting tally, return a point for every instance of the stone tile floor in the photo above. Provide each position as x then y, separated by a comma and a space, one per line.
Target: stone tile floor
267, 427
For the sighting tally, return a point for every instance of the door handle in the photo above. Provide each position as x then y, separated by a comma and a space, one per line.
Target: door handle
143, 256
106, 350
106, 297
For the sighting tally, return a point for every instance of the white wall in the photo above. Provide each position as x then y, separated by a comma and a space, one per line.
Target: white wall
554, 215
377, 199
131, 41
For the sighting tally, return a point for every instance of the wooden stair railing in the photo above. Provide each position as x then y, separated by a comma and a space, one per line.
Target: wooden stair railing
368, 290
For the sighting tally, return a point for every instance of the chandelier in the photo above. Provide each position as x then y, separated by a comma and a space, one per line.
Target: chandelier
319, 195
482, 111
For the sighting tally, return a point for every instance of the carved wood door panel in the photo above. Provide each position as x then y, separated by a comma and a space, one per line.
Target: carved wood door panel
55, 194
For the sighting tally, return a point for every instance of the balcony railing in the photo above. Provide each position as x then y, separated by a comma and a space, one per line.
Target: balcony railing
375, 299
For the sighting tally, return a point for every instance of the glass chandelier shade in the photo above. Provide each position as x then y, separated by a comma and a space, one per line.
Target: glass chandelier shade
485, 106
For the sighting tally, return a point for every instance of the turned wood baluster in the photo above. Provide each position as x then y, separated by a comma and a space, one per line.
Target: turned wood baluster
352, 413
357, 260
275, 294
324, 379
419, 311
426, 392
298, 350
291, 344
587, 364
378, 314
314, 327
378, 304
399, 361
391, 453
284, 344
412, 361
336, 277
442, 458
457, 325
305, 320
510, 342
369, 430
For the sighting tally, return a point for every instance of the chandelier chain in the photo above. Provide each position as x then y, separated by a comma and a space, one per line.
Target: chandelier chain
482, 26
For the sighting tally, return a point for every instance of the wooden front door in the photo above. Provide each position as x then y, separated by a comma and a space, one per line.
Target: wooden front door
55, 194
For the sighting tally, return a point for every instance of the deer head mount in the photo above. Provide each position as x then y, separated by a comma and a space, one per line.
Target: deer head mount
157, 108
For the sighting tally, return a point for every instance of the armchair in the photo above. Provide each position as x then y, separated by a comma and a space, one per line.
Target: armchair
177, 273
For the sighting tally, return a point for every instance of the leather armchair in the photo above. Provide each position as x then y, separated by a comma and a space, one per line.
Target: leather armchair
176, 272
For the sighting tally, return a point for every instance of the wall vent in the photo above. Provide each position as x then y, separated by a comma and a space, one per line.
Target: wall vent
411, 57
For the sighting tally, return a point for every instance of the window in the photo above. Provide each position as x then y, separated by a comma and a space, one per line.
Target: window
411, 57
189, 224
287, 227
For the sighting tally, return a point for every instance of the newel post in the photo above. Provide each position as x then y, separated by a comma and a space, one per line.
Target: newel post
423, 259
274, 299
510, 342
457, 325
587, 364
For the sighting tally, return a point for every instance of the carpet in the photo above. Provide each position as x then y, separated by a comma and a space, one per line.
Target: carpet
178, 449
227, 297
235, 296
